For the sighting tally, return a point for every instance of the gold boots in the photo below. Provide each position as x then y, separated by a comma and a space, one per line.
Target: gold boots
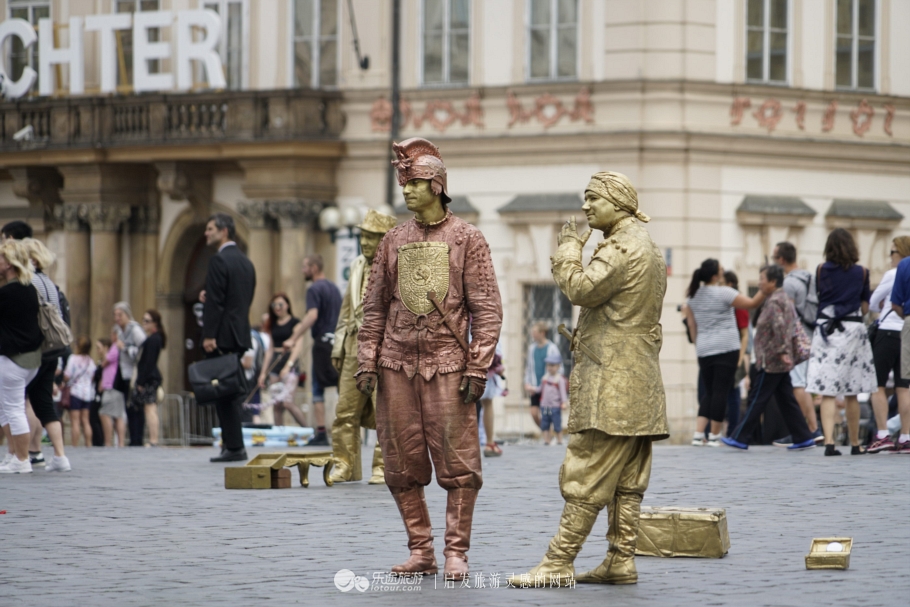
378, 477
416, 517
459, 516
619, 566
574, 527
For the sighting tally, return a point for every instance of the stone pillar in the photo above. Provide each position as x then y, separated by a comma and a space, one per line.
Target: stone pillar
143, 223
170, 305
74, 268
261, 249
295, 220
105, 220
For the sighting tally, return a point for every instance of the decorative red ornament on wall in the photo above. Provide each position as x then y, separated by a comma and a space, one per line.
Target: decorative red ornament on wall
768, 114
889, 118
828, 118
862, 117
800, 109
736, 110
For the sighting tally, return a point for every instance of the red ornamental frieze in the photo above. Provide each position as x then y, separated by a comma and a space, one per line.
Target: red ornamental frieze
768, 114
862, 118
549, 110
771, 111
438, 113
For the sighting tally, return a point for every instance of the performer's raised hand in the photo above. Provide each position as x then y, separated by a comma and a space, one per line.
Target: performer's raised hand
472, 388
366, 382
569, 232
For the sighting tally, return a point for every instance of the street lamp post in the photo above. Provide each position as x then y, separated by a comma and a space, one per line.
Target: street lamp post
396, 100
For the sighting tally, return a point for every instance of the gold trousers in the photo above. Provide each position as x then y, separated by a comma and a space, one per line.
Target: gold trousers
598, 466
354, 411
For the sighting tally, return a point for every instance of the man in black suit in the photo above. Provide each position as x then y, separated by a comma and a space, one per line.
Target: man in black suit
229, 286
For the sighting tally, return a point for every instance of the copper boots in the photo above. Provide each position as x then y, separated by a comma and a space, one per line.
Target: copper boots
416, 517
574, 528
619, 566
459, 515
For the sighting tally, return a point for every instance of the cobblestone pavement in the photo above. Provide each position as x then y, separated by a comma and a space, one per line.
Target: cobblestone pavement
156, 527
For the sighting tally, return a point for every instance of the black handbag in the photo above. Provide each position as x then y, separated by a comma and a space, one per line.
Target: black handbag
217, 378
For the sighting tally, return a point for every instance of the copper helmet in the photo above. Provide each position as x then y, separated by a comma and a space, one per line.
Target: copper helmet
417, 158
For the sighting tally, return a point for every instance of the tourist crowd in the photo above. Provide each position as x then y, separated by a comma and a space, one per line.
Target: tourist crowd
809, 340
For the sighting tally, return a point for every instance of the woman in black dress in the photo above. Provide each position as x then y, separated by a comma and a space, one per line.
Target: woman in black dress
280, 326
148, 377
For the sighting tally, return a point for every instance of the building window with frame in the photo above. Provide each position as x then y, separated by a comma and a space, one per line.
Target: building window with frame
125, 43
552, 39
766, 34
546, 303
445, 42
232, 44
19, 56
315, 43
855, 52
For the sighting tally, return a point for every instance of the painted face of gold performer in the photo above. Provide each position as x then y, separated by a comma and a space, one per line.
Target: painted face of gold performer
369, 241
419, 196
601, 213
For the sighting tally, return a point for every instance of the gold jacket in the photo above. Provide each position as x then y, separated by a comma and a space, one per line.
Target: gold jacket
621, 295
350, 318
395, 337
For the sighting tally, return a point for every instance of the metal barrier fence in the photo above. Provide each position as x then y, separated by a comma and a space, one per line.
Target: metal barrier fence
185, 424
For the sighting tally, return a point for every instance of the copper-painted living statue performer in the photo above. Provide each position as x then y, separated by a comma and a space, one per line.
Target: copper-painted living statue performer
355, 409
618, 406
429, 275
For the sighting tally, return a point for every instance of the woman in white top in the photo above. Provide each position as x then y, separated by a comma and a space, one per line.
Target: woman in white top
713, 330
78, 374
886, 351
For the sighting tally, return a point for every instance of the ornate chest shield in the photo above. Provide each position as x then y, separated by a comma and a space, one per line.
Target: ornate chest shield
422, 267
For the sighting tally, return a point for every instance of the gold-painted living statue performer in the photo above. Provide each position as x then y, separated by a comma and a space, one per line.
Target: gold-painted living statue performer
355, 409
430, 273
618, 406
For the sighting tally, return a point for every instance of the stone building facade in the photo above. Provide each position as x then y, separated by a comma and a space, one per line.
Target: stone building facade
741, 122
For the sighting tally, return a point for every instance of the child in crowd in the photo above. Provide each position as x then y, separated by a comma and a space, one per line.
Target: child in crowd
553, 399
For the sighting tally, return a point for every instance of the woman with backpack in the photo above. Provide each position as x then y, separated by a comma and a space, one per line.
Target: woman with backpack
40, 391
20, 351
78, 375
841, 361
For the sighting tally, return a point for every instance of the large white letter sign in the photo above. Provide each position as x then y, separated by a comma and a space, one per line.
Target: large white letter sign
24, 31
48, 56
204, 51
143, 51
106, 25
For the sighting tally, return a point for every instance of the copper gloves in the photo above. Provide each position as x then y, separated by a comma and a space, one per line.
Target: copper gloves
472, 388
366, 382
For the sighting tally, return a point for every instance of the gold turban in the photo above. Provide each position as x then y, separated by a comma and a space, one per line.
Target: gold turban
616, 188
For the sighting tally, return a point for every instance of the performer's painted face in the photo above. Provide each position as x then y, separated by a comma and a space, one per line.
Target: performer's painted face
418, 195
601, 213
369, 242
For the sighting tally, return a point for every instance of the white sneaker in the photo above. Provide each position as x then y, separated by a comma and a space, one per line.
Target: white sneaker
698, 440
713, 440
14, 466
6, 458
59, 464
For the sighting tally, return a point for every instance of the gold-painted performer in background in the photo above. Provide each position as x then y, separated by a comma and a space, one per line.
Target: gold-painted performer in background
618, 406
355, 409
429, 274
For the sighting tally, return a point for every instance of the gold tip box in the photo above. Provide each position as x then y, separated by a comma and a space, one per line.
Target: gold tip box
829, 553
687, 532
